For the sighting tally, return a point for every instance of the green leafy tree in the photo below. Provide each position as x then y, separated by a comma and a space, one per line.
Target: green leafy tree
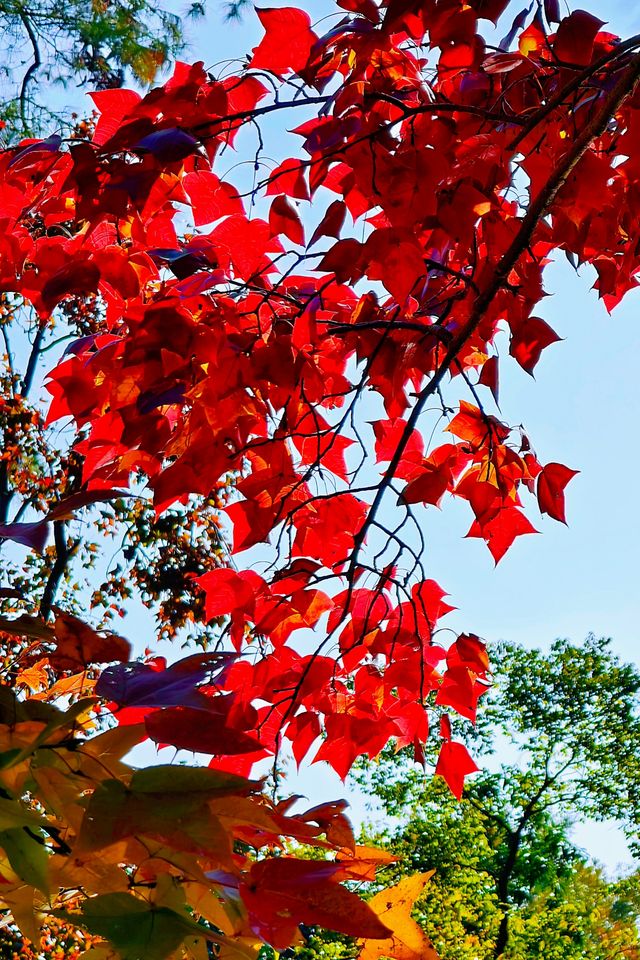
78, 42
508, 880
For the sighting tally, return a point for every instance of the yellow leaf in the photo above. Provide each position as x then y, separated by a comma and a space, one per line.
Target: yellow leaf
241, 948
364, 863
101, 755
12, 815
193, 948
207, 905
78, 685
59, 793
20, 903
375, 854
94, 874
36, 676
393, 907
20, 735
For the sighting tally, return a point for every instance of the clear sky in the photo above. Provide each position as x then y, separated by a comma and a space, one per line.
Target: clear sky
582, 409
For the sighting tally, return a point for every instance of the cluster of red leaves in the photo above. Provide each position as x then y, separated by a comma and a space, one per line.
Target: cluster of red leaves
220, 362
239, 351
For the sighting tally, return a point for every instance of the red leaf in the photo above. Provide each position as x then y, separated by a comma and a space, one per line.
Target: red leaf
343, 259
454, 764
244, 242
303, 731
228, 591
331, 223
575, 37
429, 486
552, 11
113, 105
284, 218
77, 277
366, 8
500, 532
398, 263
281, 893
551, 483
327, 451
528, 341
489, 9
445, 726
289, 178
287, 42
471, 651
251, 523
460, 690
210, 197
490, 376
201, 731
388, 434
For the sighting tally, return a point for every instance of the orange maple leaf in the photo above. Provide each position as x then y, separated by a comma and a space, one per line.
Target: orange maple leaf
393, 907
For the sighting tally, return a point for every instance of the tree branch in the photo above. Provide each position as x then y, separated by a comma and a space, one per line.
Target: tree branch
33, 67
32, 363
538, 208
64, 553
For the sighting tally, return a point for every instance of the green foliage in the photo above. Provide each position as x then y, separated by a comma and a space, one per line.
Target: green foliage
509, 882
76, 42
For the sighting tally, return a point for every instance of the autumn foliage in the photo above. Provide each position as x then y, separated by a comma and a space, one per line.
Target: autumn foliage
289, 346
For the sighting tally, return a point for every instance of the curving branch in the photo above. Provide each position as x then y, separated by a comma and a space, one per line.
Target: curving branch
33, 67
508, 261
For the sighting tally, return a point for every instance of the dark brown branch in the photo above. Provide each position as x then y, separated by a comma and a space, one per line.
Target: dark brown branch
64, 553
445, 106
503, 880
32, 363
33, 68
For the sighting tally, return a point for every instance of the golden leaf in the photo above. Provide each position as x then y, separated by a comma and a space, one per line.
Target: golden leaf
393, 907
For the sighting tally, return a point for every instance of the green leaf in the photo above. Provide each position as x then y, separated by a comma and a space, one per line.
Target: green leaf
12, 814
168, 778
138, 930
27, 857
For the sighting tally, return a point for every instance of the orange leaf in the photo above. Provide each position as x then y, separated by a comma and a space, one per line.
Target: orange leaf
393, 907
470, 425
78, 645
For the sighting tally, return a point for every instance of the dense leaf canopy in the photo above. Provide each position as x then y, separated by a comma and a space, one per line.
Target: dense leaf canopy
286, 375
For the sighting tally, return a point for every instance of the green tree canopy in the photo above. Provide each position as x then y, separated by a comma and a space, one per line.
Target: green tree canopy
77, 42
563, 729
